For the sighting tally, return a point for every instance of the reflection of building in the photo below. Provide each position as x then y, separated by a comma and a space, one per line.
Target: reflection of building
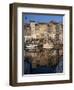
42, 36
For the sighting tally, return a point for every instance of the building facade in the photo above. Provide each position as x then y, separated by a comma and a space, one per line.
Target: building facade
41, 38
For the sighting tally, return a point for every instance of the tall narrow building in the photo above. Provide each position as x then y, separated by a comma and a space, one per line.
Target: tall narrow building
32, 25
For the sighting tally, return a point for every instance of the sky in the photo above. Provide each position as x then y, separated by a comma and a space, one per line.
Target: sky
42, 18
